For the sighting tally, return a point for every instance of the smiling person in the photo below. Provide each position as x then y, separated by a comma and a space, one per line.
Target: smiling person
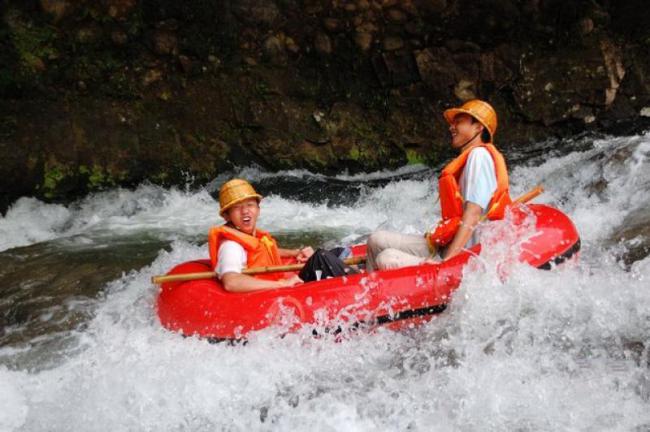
239, 243
474, 184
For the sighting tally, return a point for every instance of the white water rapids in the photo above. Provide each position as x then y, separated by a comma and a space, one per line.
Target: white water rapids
566, 349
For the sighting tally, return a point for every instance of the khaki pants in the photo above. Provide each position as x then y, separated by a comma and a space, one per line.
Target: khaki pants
389, 250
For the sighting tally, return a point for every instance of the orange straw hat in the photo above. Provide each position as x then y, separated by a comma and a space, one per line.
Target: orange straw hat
235, 191
480, 110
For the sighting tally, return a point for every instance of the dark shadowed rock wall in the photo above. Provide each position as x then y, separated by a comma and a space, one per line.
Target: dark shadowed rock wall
97, 93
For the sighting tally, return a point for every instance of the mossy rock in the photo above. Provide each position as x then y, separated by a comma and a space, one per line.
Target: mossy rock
96, 177
33, 44
413, 157
57, 179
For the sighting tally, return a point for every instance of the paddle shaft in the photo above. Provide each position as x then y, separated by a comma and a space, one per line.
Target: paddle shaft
534, 192
249, 271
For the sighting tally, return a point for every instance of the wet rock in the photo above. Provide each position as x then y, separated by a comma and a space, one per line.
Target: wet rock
363, 5
151, 76
274, 50
165, 42
88, 35
621, 110
119, 37
332, 24
615, 70
187, 65
465, 90
363, 40
487, 67
366, 27
415, 28
408, 7
313, 7
456, 45
323, 43
57, 9
291, 45
164, 94
573, 78
586, 26
120, 9
392, 43
37, 64
468, 65
264, 12
395, 68
580, 112
434, 6
437, 69
396, 16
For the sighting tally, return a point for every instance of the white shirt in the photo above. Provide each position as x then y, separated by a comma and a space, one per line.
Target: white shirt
232, 258
477, 183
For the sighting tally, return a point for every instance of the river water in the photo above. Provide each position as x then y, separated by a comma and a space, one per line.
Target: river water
568, 349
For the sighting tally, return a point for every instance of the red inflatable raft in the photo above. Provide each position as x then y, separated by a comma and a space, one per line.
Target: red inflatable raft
393, 297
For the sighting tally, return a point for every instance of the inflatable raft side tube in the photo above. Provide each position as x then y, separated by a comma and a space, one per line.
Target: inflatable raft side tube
559, 259
412, 313
380, 320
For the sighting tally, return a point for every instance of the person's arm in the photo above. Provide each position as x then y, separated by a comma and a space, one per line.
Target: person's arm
288, 253
471, 217
480, 184
238, 282
301, 255
231, 262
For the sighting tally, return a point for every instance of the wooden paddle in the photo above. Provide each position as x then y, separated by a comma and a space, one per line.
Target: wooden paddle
536, 191
249, 271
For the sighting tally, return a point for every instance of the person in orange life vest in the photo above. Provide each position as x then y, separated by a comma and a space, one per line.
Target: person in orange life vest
472, 185
239, 243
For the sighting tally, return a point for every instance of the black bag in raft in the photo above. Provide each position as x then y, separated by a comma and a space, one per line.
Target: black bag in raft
327, 262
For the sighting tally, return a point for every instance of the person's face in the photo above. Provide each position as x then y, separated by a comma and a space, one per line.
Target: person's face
463, 130
244, 215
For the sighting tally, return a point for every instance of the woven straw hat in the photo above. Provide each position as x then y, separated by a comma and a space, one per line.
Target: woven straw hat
235, 191
480, 110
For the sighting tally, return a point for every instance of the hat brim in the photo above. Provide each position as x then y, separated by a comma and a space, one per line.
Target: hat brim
451, 114
237, 201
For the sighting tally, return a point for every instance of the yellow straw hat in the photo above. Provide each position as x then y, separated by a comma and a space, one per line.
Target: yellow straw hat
235, 191
480, 110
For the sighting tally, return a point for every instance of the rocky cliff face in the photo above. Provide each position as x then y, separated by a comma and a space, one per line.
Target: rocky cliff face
97, 93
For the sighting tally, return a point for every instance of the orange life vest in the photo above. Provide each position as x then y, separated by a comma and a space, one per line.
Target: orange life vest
261, 248
451, 200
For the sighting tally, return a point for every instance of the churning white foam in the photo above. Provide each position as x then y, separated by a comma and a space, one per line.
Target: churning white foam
167, 212
14, 407
31, 221
174, 213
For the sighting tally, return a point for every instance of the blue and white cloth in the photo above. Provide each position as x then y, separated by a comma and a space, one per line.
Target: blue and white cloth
477, 183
